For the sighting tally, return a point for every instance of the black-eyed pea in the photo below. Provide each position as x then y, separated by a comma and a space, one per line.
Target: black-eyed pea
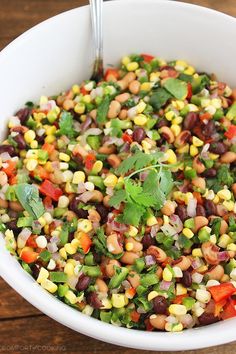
106, 201
134, 87
225, 278
96, 196
183, 263
132, 245
210, 253
228, 157
123, 97
182, 138
216, 272
167, 134
3, 203
93, 114
107, 149
16, 206
168, 208
94, 216
198, 165
114, 160
134, 279
158, 321
114, 109
101, 285
70, 215
158, 253
68, 104
113, 244
199, 182
199, 222
129, 258
109, 268
129, 77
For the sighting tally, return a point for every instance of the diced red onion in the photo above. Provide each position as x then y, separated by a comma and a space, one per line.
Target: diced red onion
93, 131
125, 147
109, 191
126, 284
165, 285
81, 188
176, 222
114, 140
132, 112
55, 239
84, 126
5, 156
48, 106
204, 152
191, 207
136, 99
197, 278
86, 196
196, 263
72, 281
40, 131
168, 230
141, 310
116, 226
186, 320
96, 225
23, 236
154, 230
171, 319
143, 175
184, 187
56, 256
223, 256
15, 121
52, 247
150, 260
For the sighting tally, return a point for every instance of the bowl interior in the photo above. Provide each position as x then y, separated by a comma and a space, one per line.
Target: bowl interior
58, 53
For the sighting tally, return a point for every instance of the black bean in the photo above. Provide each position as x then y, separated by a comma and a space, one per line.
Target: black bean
200, 210
7, 148
19, 139
103, 212
162, 123
139, 134
12, 225
97, 257
23, 114
218, 148
181, 211
210, 207
190, 120
78, 159
40, 139
207, 318
93, 300
83, 282
35, 270
186, 280
209, 129
210, 172
160, 304
74, 206
148, 241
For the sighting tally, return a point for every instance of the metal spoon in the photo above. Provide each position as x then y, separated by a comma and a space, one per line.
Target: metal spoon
97, 27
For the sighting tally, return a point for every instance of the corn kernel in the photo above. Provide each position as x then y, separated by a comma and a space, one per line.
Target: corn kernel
190, 70
202, 269
184, 149
76, 89
140, 119
132, 231
146, 86
152, 220
49, 286
197, 142
216, 102
177, 310
169, 327
187, 232
97, 167
170, 115
175, 129
34, 144
31, 164
42, 221
43, 275
177, 120
79, 177
71, 297
106, 304
181, 63
125, 60
224, 194
166, 219
167, 275
63, 201
70, 249
216, 200
51, 130
69, 188
154, 77
177, 272
29, 136
69, 269
197, 252
152, 295
50, 139
87, 99
233, 274
146, 146
110, 181
213, 156
212, 282
141, 106
62, 253
79, 108
229, 205
231, 247
203, 296
84, 225
132, 66
170, 156
129, 246
118, 300
224, 240
64, 157
193, 150
43, 100
180, 289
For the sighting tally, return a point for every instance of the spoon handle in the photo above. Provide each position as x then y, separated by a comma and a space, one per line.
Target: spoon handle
96, 7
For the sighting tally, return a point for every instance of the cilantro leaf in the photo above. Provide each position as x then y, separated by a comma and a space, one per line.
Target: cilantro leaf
66, 125
137, 161
118, 198
103, 110
28, 196
166, 181
151, 185
116, 128
176, 88
136, 194
159, 98
231, 114
132, 214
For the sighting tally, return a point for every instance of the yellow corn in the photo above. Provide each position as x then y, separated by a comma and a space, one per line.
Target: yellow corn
203, 296
125, 60
187, 232
29, 136
171, 157
70, 249
43, 275
154, 77
106, 304
180, 290
197, 252
129, 246
31, 164
63, 201
175, 129
152, 295
49, 286
224, 240
50, 139
151, 221
146, 86
177, 120
64, 157
170, 115
216, 199
169, 327
69, 269
229, 204
34, 144
87, 99
224, 194
79, 177
42, 221
97, 167
51, 130
231, 247
79, 108
110, 181
190, 70
184, 149
141, 106
167, 275
140, 119
71, 297
119, 300
132, 66
84, 225
213, 156
197, 142
62, 253
132, 231
76, 89
192, 107
177, 310
193, 150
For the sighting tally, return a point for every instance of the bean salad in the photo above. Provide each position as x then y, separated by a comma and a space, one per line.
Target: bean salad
118, 197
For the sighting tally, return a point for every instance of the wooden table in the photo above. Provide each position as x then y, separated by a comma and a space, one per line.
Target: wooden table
22, 327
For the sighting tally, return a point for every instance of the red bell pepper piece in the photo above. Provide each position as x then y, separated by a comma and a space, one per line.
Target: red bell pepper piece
134, 315
218, 307
83, 91
127, 138
222, 291
48, 189
148, 325
90, 159
111, 73
179, 299
48, 147
31, 241
231, 132
229, 310
28, 256
190, 92
40, 172
147, 57
85, 242
10, 170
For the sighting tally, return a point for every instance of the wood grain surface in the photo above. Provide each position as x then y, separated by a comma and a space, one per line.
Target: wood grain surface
22, 327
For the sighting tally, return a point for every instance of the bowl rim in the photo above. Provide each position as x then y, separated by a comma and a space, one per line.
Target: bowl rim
24, 284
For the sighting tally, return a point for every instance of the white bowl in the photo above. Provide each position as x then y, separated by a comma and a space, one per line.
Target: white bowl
57, 53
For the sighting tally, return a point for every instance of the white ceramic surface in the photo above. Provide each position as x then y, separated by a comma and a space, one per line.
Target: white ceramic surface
57, 53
